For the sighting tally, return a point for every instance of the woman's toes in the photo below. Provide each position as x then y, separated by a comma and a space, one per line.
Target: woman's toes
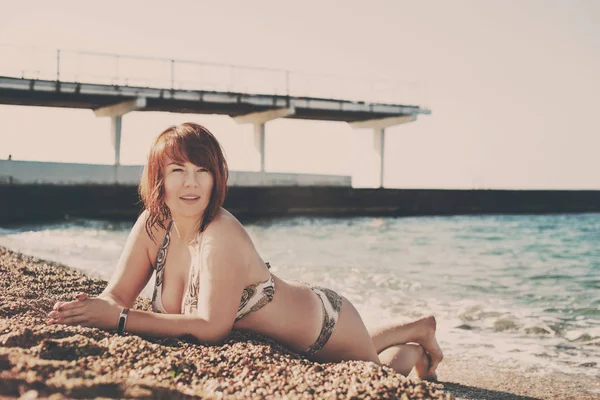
430, 343
435, 361
431, 377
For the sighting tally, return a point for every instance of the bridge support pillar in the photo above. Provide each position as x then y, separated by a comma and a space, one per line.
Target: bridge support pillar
378, 126
379, 147
115, 128
259, 119
116, 112
259, 143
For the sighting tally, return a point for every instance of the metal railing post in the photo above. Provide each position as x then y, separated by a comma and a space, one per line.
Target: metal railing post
172, 74
57, 65
117, 70
287, 82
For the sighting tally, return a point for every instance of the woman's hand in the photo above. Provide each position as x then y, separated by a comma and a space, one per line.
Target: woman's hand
93, 312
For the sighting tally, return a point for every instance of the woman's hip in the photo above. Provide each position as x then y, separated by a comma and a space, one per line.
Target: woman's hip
347, 338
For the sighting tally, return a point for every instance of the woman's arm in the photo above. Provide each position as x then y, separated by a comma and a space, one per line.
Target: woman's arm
225, 253
134, 268
104, 313
175, 325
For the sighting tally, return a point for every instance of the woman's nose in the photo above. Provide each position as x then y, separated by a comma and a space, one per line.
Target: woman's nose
190, 179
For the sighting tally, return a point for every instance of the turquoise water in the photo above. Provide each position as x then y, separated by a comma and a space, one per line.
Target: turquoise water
521, 289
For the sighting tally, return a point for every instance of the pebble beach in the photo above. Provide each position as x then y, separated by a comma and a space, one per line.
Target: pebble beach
62, 362
59, 362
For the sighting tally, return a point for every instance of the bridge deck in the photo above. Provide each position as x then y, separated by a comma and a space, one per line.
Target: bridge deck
35, 92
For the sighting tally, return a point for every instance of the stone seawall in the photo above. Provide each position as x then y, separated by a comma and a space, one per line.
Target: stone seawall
21, 203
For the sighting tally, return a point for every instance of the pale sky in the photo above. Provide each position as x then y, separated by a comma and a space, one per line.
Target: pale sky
513, 86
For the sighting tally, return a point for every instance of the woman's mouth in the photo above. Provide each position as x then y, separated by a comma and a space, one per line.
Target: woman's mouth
189, 199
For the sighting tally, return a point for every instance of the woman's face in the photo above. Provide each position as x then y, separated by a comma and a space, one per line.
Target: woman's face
187, 188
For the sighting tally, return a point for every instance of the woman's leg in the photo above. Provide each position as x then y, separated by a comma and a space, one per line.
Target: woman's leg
404, 357
351, 340
421, 331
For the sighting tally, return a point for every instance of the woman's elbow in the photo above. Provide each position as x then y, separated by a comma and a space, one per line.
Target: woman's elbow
212, 335
217, 339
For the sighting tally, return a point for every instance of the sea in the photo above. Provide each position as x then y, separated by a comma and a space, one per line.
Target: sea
522, 290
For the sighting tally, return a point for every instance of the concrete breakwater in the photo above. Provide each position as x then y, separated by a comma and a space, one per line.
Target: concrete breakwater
22, 203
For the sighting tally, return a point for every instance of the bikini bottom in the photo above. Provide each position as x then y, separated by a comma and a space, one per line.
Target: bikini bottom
332, 305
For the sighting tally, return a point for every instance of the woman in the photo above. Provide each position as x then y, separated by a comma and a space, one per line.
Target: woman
205, 263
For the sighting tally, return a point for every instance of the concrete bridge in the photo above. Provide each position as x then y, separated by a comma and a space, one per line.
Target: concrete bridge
111, 90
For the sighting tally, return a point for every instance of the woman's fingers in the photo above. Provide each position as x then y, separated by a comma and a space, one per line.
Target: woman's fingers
81, 296
81, 320
70, 304
67, 309
69, 313
68, 320
75, 320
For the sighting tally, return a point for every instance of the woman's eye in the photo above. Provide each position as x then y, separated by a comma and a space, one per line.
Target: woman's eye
177, 169
202, 170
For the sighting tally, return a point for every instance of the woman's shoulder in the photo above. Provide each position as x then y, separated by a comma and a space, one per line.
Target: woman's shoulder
226, 227
224, 222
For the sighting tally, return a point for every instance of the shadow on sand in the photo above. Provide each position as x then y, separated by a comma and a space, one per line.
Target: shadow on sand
470, 392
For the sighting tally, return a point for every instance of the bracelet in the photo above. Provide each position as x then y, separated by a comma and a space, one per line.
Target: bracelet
122, 320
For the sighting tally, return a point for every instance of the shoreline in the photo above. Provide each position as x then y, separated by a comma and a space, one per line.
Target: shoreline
75, 362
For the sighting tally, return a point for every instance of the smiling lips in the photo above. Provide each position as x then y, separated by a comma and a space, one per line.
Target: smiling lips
189, 199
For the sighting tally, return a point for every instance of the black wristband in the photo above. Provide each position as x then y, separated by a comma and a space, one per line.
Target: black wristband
122, 320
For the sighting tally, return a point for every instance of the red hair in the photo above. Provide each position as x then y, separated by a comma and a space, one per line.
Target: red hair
186, 142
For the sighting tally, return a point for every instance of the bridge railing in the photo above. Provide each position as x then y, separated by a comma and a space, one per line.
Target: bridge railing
126, 70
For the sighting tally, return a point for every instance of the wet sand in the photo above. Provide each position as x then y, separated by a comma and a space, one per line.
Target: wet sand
40, 361
486, 379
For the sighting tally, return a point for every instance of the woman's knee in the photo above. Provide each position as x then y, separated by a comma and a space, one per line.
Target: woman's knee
403, 357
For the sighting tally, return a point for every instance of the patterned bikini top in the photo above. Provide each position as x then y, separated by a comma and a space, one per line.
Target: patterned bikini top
254, 297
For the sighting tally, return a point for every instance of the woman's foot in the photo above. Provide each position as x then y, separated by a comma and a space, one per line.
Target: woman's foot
422, 368
430, 344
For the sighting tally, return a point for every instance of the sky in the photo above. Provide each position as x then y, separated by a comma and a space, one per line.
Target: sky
513, 86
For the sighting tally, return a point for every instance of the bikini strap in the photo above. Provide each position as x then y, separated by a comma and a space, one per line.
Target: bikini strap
162, 250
